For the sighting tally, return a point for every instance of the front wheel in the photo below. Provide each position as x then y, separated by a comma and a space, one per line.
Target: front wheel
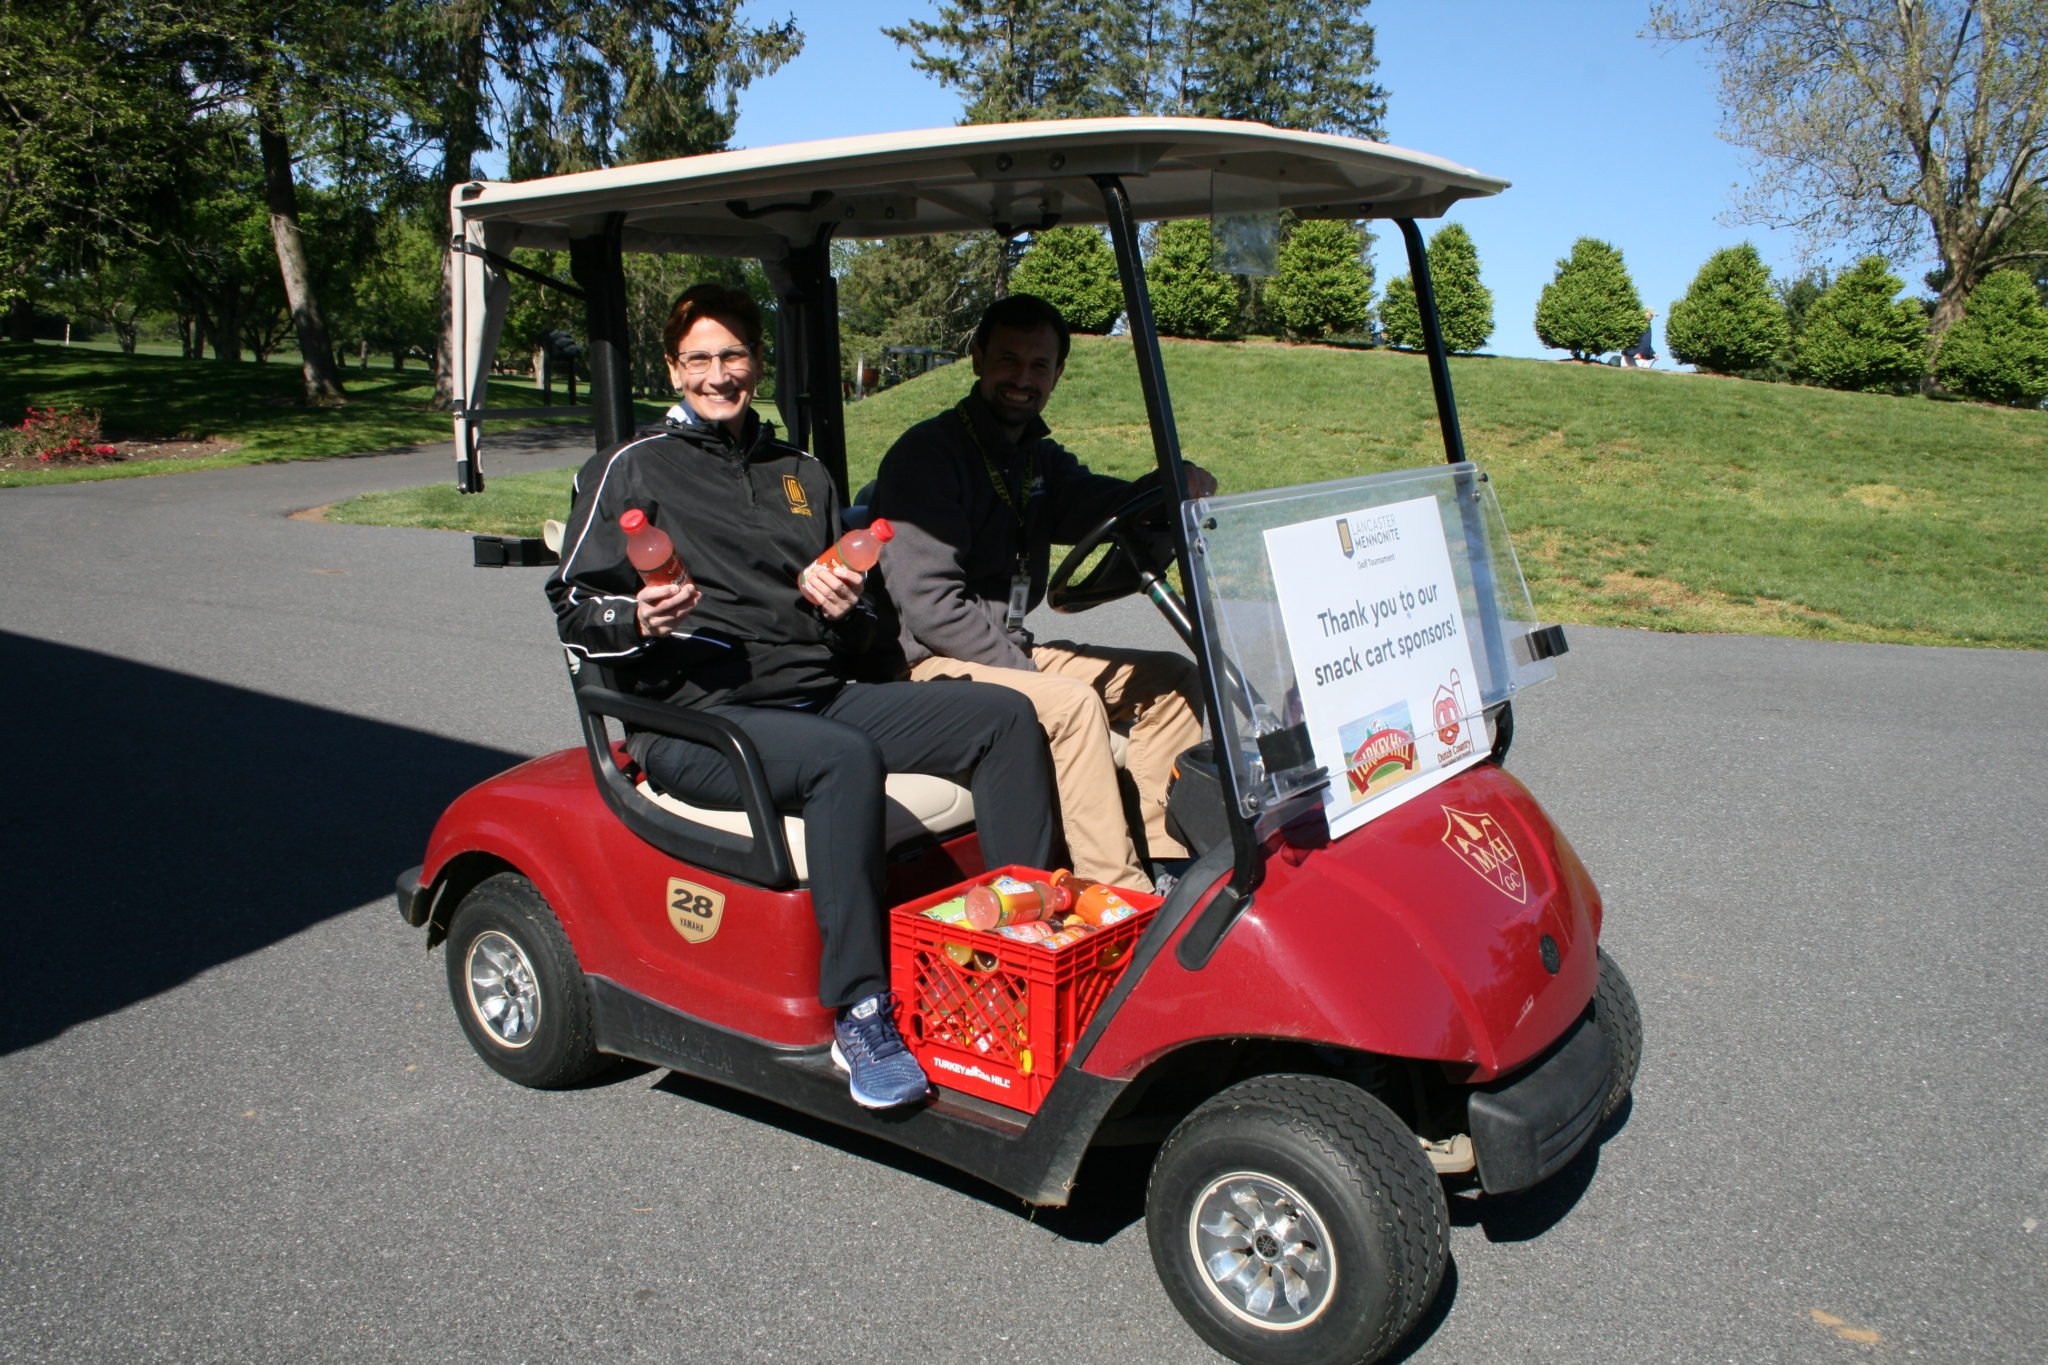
521, 998
1615, 1010
1295, 1219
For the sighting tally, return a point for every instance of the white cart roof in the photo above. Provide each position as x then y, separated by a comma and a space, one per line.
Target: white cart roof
1006, 175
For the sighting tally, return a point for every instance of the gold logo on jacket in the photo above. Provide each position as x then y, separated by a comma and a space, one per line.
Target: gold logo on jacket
793, 489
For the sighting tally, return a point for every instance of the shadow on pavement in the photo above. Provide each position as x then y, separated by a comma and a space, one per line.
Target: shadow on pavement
162, 824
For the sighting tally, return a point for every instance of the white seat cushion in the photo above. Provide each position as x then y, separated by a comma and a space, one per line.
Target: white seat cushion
919, 805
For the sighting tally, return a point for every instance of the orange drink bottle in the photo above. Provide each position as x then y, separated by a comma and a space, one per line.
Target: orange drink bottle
1094, 903
1010, 900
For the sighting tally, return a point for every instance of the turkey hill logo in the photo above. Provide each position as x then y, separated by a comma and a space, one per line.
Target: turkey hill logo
1379, 751
1484, 846
793, 489
694, 911
1344, 537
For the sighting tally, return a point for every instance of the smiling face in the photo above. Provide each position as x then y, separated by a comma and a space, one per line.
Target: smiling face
722, 392
1016, 371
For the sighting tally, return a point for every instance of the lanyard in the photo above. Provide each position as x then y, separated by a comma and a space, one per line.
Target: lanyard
1020, 578
1009, 496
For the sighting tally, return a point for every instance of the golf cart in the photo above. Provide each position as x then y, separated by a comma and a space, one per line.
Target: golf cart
1381, 973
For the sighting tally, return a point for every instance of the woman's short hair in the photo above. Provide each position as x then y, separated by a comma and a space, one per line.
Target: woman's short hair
720, 302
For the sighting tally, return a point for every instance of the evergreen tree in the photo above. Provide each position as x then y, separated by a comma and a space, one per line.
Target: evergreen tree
1861, 336
1324, 283
1464, 306
1190, 297
1590, 306
1292, 63
1728, 321
1073, 269
1012, 60
1999, 351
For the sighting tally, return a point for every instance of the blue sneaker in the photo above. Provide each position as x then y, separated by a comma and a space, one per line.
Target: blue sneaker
865, 1045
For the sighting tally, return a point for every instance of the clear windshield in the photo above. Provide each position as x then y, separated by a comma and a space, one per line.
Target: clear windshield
1360, 629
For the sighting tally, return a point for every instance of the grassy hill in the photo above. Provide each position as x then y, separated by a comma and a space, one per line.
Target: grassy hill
1673, 502
254, 407
1677, 502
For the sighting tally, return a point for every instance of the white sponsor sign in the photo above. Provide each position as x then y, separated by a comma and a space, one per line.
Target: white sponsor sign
1382, 654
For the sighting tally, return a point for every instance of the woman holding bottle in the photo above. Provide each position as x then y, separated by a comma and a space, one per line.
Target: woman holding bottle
757, 632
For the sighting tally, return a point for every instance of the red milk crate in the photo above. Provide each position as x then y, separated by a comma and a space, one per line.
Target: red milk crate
1001, 1024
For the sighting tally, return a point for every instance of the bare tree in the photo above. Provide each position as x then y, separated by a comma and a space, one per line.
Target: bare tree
1885, 125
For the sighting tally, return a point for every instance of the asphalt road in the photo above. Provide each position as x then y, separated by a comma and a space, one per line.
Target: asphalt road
240, 1122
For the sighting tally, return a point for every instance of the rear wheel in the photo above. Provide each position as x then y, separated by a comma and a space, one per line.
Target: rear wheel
1614, 1009
522, 1000
1296, 1219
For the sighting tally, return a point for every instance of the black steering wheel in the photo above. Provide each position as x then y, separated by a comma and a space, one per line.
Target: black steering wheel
1140, 552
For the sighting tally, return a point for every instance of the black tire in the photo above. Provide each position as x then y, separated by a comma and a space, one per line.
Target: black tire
1615, 1010
522, 1000
1333, 1171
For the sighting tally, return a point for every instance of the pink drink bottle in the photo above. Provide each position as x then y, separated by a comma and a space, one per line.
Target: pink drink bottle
650, 549
858, 549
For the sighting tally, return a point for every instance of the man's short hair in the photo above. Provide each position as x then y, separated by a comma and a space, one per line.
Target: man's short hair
1024, 311
722, 303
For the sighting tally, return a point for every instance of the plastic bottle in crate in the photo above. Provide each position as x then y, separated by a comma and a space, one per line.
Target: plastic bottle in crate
1093, 902
1010, 900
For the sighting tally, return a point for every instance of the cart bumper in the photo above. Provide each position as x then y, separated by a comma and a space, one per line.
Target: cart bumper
1526, 1129
414, 900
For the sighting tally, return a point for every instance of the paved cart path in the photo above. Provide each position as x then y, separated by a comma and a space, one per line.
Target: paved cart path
241, 1124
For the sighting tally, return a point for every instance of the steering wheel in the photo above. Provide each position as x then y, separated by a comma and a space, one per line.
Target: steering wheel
1140, 551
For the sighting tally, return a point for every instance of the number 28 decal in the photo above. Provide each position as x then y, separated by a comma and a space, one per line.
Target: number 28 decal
694, 910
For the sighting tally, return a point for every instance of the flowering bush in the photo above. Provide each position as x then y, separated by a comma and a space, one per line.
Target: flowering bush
57, 436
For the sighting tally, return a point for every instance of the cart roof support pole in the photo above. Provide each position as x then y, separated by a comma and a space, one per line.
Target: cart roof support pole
1433, 342
809, 338
598, 266
1247, 867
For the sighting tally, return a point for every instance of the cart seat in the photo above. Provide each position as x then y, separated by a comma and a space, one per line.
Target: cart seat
919, 806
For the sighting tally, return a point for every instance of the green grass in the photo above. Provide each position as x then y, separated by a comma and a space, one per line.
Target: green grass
1646, 499
256, 406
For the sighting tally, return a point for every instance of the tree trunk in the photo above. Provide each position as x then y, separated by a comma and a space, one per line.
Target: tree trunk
21, 320
462, 137
322, 375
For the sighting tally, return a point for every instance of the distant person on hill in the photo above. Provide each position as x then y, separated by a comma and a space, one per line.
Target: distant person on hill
979, 495
1643, 354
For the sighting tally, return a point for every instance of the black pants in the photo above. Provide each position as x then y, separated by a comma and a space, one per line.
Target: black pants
829, 764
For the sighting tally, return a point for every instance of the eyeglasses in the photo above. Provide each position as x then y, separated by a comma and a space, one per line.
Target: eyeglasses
735, 359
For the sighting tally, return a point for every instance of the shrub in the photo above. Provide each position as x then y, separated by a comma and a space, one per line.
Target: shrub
1861, 336
1728, 320
1073, 269
56, 436
1590, 306
1190, 298
1998, 349
1464, 306
1324, 285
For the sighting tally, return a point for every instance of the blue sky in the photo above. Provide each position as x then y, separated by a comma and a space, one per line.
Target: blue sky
1602, 133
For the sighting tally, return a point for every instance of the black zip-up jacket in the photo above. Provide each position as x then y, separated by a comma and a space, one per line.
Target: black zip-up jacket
746, 516
958, 540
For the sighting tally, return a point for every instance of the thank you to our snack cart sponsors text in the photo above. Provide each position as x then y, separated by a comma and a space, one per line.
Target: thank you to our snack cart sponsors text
1405, 618
1382, 664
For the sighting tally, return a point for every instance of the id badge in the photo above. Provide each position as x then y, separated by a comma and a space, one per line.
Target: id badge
1020, 600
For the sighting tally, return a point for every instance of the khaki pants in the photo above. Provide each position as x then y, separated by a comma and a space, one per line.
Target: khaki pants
1078, 693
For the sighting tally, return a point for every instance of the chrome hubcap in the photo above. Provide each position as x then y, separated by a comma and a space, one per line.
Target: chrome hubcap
1263, 1251
503, 993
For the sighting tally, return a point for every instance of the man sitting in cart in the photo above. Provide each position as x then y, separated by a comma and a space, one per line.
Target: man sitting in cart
978, 496
757, 633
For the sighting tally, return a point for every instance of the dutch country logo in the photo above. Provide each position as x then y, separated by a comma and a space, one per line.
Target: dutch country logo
1482, 845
